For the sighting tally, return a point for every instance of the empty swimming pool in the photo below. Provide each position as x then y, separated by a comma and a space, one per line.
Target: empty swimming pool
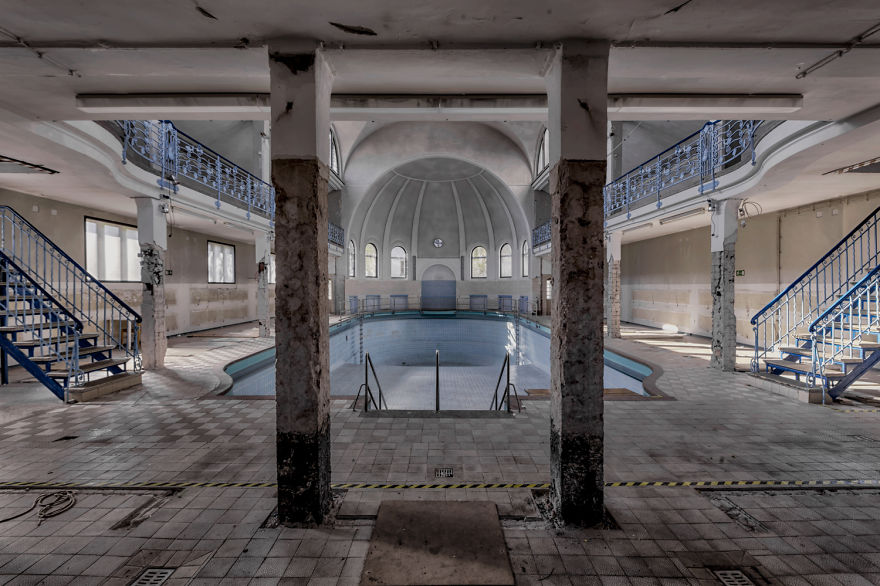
402, 345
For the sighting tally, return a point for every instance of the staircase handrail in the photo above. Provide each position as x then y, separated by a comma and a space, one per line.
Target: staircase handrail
58, 306
852, 291
66, 256
806, 273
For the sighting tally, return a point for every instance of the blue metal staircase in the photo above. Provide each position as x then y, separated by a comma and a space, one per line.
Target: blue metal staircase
56, 320
824, 328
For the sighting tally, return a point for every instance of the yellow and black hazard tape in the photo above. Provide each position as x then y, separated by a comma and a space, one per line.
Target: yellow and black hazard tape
409, 486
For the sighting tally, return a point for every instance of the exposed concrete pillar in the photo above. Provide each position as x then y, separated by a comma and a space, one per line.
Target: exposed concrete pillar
263, 248
300, 85
577, 96
153, 241
723, 246
612, 299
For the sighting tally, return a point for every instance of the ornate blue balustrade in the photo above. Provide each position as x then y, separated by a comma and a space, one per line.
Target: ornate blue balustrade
697, 160
179, 158
541, 236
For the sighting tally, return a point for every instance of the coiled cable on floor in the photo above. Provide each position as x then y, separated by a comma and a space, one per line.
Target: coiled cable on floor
48, 505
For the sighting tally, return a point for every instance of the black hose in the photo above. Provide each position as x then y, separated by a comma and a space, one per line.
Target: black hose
48, 505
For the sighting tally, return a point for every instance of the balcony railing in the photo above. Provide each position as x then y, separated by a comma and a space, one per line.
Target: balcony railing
697, 160
179, 159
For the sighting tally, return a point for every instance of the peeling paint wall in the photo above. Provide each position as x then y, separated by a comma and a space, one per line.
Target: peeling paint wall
665, 280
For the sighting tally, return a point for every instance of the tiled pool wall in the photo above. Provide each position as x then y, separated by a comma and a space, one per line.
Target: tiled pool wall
461, 342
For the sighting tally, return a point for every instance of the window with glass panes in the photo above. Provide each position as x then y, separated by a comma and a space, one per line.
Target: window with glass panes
221, 263
112, 251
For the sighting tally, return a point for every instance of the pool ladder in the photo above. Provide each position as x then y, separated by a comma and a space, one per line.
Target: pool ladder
369, 398
505, 394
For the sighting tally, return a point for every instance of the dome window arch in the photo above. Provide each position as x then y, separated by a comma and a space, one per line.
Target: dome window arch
371, 260
479, 263
398, 263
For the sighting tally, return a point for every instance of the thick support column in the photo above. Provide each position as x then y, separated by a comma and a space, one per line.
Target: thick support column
612, 298
577, 98
263, 248
723, 245
153, 241
301, 85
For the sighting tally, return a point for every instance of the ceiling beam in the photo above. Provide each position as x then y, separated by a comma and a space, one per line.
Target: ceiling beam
249, 106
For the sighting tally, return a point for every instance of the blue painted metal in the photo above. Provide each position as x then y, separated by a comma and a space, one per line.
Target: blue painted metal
541, 235
29, 306
837, 332
698, 158
78, 292
173, 155
335, 234
817, 289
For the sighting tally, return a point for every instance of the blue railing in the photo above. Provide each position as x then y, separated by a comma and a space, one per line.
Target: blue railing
807, 298
697, 159
54, 332
81, 294
335, 234
837, 334
176, 156
541, 235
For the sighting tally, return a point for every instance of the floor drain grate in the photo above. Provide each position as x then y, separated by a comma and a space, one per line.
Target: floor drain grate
442, 472
733, 578
153, 577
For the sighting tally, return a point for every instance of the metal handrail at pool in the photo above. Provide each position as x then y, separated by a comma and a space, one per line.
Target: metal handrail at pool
365, 387
505, 396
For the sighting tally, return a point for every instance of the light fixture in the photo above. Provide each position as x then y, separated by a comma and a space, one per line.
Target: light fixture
682, 215
634, 228
709, 105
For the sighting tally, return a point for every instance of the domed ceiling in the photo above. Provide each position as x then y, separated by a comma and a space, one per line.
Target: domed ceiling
439, 207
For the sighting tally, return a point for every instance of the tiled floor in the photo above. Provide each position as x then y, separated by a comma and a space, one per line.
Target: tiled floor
176, 429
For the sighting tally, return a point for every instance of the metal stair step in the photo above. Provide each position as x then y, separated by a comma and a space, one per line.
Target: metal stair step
46, 326
7, 313
804, 367
53, 340
99, 365
83, 352
796, 350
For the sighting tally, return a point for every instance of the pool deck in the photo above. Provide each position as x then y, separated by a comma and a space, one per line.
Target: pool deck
175, 428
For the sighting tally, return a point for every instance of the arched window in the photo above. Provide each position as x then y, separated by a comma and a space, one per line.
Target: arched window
525, 258
542, 156
398, 263
371, 258
505, 268
334, 152
352, 259
478, 263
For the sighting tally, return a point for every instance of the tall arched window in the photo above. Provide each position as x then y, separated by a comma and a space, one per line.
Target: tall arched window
542, 156
334, 152
352, 259
478, 263
525, 258
505, 267
371, 258
398, 263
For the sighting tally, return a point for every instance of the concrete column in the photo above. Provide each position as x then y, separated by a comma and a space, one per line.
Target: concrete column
723, 245
300, 98
577, 96
615, 151
153, 241
263, 248
612, 299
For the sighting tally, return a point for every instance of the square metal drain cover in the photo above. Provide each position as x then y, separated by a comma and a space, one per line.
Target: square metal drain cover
153, 577
442, 472
733, 578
